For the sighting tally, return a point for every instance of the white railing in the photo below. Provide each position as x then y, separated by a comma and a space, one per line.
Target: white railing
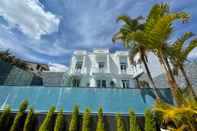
137, 72
79, 71
99, 70
128, 71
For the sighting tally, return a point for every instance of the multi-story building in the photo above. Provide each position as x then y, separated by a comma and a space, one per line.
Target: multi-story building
101, 68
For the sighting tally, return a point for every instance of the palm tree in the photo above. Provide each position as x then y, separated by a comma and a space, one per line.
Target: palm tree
134, 25
178, 60
157, 31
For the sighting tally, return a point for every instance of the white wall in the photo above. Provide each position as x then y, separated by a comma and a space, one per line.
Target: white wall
89, 72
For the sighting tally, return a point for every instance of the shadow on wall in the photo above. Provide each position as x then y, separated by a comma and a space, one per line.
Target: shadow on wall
163, 95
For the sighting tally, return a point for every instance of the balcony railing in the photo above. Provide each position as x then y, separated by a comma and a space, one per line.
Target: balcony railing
79, 71
99, 70
137, 72
128, 71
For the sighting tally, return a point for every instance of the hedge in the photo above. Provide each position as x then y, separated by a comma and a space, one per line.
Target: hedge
46, 124
150, 124
86, 120
133, 125
29, 122
60, 121
100, 123
19, 118
119, 123
74, 124
5, 119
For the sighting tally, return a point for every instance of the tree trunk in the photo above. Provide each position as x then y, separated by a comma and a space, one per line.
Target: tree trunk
189, 85
138, 83
170, 79
150, 78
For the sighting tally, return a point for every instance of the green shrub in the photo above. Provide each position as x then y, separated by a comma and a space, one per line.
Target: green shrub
29, 122
119, 123
86, 120
46, 124
133, 125
74, 120
100, 123
150, 124
5, 119
60, 121
19, 118
23, 106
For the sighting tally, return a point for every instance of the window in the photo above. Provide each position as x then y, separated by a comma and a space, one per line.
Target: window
76, 82
123, 66
101, 65
101, 83
79, 65
125, 83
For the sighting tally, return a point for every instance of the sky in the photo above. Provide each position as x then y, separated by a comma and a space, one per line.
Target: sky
48, 31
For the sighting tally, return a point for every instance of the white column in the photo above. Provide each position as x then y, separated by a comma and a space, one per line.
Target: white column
108, 63
128, 66
84, 64
92, 82
72, 65
118, 62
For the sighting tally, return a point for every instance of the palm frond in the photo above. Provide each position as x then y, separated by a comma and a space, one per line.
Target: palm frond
157, 11
178, 44
133, 24
163, 28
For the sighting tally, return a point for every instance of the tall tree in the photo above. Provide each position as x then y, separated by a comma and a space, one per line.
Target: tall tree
179, 47
135, 47
157, 31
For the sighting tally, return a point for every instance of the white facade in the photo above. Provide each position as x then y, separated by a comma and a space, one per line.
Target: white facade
101, 68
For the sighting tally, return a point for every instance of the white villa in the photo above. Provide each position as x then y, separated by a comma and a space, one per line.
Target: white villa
102, 69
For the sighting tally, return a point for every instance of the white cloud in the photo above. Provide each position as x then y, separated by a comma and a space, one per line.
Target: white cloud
46, 48
193, 54
54, 67
29, 17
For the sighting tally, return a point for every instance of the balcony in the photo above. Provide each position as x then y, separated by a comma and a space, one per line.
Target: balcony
78, 71
97, 70
137, 71
128, 71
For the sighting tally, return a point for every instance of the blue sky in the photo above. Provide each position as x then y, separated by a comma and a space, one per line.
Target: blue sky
48, 31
